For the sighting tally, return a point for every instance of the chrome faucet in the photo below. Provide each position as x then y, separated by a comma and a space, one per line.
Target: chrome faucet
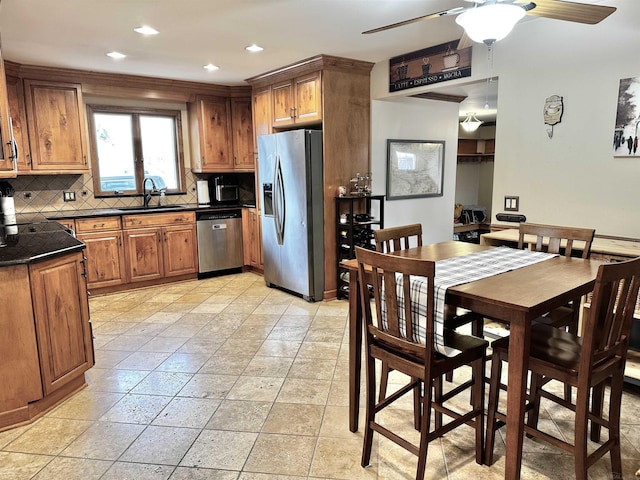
147, 196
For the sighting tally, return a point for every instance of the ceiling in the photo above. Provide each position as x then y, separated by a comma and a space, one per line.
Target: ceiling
78, 34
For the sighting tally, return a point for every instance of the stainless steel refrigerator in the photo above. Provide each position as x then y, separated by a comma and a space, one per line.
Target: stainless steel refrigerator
290, 167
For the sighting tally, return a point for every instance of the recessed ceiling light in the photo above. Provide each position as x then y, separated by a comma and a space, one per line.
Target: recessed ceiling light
146, 30
211, 67
116, 55
254, 48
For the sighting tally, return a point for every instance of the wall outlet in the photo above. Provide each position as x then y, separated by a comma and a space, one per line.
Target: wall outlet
69, 196
511, 203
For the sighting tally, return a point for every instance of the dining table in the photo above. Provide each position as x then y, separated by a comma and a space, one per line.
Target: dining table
515, 297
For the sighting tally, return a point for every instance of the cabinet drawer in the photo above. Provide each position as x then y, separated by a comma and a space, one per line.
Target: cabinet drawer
157, 219
86, 225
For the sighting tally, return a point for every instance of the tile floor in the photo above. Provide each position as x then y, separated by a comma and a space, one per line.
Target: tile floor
227, 379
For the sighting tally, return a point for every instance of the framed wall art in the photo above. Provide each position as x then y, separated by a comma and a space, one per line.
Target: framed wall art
625, 134
415, 168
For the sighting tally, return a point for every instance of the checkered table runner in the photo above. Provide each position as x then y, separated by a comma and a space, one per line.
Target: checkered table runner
456, 271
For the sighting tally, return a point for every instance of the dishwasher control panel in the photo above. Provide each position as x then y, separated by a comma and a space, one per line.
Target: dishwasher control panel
218, 215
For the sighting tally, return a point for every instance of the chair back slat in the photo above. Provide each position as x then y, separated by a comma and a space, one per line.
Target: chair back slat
392, 239
557, 236
608, 324
383, 270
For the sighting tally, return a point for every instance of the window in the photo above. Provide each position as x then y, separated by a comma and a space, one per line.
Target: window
129, 145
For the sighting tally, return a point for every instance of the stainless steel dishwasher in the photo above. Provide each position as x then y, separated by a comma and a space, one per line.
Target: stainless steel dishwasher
219, 241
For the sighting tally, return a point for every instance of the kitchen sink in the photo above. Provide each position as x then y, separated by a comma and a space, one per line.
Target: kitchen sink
151, 208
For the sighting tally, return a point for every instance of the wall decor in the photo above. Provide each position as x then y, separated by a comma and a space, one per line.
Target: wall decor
552, 112
430, 65
625, 134
415, 168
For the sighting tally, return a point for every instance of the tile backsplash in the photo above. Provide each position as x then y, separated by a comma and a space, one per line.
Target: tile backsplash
44, 193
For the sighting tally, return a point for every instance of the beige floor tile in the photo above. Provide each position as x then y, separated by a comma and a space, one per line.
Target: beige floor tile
180, 330
164, 317
279, 348
161, 445
104, 441
119, 381
326, 350
73, 469
260, 389
341, 460
220, 449
179, 307
201, 345
209, 308
205, 385
21, 466
143, 361
184, 362
335, 422
49, 436
127, 343
162, 383
86, 405
191, 473
187, 412
9, 436
281, 454
303, 390
240, 416
140, 409
227, 364
294, 419
288, 333
312, 368
269, 476
137, 471
268, 366
148, 329
163, 344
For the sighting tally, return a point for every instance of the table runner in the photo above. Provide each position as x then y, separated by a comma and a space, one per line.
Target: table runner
456, 271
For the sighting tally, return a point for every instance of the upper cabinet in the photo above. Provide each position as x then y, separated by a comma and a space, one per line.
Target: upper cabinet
221, 132
15, 94
8, 164
476, 150
262, 118
297, 101
56, 123
242, 127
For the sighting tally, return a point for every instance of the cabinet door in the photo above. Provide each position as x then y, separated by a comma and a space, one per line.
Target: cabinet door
144, 254
247, 235
261, 115
105, 258
282, 104
8, 167
56, 122
215, 134
179, 246
61, 309
15, 96
242, 126
308, 98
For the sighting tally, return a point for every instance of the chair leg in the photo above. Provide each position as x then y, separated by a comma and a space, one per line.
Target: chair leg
437, 398
384, 379
492, 407
370, 413
615, 401
449, 376
581, 426
597, 404
478, 406
534, 392
424, 431
417, 403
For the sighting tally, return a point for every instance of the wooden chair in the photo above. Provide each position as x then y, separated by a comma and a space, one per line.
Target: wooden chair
586, 362
397, 344
391, 239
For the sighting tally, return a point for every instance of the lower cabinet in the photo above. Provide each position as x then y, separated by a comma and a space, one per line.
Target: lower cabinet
165, 246
105, 250
46, 340
252, 238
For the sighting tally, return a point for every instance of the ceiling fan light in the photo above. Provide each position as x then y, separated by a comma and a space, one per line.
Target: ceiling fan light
471, 123
490, 23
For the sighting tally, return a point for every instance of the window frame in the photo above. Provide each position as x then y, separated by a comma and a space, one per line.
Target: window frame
139, 175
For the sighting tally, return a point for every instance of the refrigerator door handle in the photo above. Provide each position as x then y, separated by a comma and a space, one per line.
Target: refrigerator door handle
279, 209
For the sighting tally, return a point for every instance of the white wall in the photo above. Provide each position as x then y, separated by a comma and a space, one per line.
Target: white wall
416, 119
573, 178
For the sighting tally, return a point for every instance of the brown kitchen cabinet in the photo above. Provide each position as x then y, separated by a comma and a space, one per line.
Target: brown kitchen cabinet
56, 124
210, 122
160, 245
262, 118
297, 101
252, 238
242, 138
61, 310
46, 341
17, 109
104, 250
8, 165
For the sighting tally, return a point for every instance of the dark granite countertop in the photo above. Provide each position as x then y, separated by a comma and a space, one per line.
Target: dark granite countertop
104, 212
34, 242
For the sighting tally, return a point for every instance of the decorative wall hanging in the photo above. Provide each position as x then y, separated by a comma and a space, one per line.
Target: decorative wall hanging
415, 168
429, 65
625, 134
552, 112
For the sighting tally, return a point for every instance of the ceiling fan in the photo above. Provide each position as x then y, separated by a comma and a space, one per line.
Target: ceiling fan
486, 20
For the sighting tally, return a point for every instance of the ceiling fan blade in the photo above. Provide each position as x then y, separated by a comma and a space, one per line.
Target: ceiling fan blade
571, 11
453, 11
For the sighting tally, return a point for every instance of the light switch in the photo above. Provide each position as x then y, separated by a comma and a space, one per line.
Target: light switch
511, 203
69, 196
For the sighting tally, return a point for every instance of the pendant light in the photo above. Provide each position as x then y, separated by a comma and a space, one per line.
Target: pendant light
490, 23
471, 123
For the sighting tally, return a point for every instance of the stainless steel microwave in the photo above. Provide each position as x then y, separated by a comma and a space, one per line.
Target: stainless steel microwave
226, 191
